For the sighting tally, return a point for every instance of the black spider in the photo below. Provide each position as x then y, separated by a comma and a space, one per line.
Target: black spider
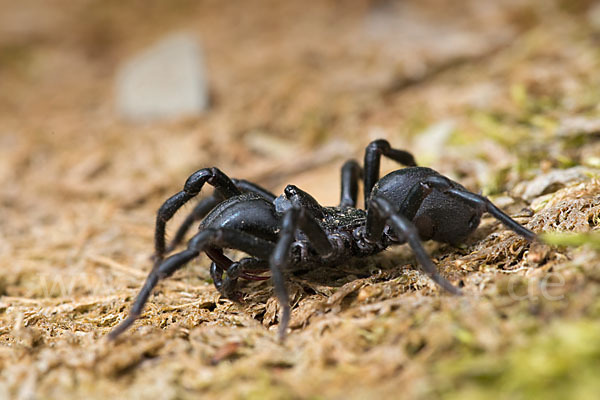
293, 230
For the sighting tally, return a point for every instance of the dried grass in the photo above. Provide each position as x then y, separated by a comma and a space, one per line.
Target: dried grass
80, 189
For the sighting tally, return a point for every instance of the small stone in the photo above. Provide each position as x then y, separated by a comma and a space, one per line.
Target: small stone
575, 126
165, 81
552, 181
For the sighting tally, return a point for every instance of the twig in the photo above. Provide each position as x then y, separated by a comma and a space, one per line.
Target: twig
110, 263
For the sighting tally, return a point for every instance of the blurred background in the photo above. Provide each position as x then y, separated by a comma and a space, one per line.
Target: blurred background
254, 84
107, 106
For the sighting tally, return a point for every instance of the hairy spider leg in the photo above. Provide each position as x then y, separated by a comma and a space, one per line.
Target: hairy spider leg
204, 206
200, 211
373, 154
192, 187
351, 174
381, 213
247, 186
209, 238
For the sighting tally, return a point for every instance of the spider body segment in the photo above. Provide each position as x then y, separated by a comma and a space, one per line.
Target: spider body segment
294, 231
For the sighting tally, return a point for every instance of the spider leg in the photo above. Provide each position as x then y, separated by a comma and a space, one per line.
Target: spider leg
380, 213
443, 184
208, 238
500, 215
351, 173
247, 186
204, 206
200, 211
296, 218
240, 269
165, 269
220, 263
213, 176
373, 154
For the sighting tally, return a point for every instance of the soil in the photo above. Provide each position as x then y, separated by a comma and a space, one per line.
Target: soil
500, 96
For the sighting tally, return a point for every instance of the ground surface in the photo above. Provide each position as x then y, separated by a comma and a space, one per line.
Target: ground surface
503, 98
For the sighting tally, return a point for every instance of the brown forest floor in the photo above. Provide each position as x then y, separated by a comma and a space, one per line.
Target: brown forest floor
502, 96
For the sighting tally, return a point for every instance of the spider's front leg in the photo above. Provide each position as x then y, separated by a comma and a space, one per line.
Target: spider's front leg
246, 268
203, 241
200, 211
204, 206
300, 216
213, 176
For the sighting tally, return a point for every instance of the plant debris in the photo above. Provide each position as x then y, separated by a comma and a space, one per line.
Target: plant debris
80, 189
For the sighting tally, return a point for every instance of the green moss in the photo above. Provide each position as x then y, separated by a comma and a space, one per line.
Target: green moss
374, 335
561, 362
497, 182
416, 122
518, 95
591, 239
464, 336
495, 128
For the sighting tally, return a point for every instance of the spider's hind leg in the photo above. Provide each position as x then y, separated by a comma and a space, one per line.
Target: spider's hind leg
373, 153
351, 173
484, 204
380, 213
495, 211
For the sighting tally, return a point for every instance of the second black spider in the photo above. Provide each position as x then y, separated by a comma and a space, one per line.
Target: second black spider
291, 231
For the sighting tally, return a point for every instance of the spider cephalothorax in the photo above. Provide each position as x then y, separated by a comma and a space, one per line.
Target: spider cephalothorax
293, 230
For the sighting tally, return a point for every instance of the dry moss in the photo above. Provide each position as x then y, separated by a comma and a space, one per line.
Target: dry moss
80, 190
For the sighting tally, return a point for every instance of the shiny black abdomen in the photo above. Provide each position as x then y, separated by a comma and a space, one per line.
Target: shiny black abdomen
247, 212
441, 217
